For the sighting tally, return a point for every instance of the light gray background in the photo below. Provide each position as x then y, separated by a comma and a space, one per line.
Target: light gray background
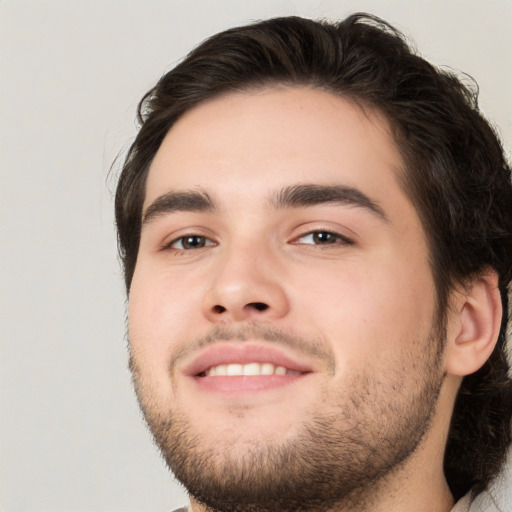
71, 74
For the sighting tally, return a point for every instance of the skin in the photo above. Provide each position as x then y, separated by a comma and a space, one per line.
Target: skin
363, 303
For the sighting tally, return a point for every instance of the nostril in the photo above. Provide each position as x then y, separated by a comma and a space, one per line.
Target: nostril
259, 306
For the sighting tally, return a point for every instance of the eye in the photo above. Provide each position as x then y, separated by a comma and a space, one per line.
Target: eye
323, 238
190, 242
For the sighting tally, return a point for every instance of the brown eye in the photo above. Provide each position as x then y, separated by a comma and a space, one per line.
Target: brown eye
323, 238
190, 242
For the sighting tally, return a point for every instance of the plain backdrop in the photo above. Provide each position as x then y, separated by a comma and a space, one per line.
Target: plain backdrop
71, 73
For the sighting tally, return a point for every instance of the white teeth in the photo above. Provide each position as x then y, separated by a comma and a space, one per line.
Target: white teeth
280, 370
221, 369
267, 369
235, 369
252, 369
247, 369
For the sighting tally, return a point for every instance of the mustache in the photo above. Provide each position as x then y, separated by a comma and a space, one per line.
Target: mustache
309, 346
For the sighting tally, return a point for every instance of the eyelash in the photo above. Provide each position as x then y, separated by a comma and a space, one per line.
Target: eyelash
338, 238
332, 239
207, 242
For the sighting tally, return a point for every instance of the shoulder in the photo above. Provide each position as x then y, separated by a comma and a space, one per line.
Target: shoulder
489, 501
496, 499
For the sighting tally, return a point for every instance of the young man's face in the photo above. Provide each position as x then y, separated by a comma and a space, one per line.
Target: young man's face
279, 244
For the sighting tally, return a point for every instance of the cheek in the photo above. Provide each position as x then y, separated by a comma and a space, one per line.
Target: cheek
159, 310
362, 309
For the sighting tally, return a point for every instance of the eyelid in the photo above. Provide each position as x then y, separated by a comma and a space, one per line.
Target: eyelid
342, 238
180, 239
181, 235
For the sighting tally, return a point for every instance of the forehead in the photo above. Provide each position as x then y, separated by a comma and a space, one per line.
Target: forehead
272, 138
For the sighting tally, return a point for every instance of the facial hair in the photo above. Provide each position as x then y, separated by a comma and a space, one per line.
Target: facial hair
352, 440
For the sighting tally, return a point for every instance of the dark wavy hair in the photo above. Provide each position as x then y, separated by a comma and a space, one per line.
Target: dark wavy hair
455, 174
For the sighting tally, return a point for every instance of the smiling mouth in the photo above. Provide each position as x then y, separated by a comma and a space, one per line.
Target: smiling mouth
241, 369
253, 369
236, 378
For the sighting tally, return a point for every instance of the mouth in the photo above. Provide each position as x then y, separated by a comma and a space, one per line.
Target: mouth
240, 368
249, 370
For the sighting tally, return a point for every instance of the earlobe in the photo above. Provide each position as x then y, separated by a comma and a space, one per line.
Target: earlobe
477, 318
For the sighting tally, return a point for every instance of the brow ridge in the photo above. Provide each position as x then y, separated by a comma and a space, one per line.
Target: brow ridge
184, 201
293, 196
304, 195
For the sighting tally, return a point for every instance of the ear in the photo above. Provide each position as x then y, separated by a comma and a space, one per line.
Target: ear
474, 325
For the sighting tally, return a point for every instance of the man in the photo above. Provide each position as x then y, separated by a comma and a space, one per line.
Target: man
316, 232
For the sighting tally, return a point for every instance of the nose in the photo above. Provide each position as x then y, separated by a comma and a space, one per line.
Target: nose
245, 284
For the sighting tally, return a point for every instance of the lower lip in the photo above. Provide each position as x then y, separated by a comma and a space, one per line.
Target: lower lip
246, 383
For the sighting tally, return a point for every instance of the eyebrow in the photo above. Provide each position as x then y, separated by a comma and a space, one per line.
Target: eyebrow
297, 196
178, 201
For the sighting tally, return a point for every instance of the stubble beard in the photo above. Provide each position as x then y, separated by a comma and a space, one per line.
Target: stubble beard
338, 460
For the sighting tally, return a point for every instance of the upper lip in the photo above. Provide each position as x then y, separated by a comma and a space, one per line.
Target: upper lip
242, 353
